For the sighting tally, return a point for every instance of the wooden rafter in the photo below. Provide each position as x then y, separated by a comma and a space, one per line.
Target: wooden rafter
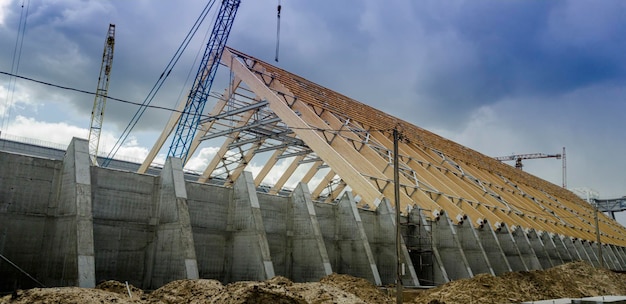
354, 141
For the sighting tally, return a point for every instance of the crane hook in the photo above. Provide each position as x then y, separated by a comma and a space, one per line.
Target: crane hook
277, 30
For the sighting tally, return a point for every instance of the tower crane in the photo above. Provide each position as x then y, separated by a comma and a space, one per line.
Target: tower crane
189, 120
519, 157
97, 113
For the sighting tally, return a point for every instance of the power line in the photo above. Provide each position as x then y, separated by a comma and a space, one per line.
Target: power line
170, 109
85, 92
17, 56
157, 86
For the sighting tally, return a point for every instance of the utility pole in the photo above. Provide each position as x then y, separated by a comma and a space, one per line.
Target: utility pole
396, 189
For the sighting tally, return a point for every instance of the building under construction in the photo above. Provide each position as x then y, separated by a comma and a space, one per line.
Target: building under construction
65, 221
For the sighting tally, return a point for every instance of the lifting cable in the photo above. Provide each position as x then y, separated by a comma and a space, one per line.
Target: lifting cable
164, 75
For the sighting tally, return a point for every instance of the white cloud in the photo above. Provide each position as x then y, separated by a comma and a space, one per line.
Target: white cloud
61, 133
3, 10
199, 161
14, 96
57, 132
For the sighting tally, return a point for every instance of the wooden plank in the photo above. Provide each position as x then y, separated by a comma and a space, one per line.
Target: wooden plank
315, 194
268, 166
295, 163
217, 109
165, 133
206, 174
311, 172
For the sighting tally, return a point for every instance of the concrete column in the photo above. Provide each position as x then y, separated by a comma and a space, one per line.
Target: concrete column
619, 257
453, 257
551, 249
609, 263
309, 259
473, 249
569, 244
493, 249
511, 250
69, 249
614, 265
248, 249
593, 253
563, 252
540, 249
385, 255
618, 252
526, 250
355, 256
174, 254
581, 250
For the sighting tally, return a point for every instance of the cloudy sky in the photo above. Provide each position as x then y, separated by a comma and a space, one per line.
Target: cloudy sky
501, 77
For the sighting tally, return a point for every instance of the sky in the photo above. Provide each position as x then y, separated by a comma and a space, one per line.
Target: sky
500, 77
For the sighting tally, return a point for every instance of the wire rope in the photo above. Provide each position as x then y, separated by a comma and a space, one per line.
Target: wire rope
17, 56
159, 83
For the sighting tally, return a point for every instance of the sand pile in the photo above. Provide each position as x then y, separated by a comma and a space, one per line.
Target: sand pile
122, 289
572, 280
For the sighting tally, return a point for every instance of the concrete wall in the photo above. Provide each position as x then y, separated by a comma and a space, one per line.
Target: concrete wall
67, 223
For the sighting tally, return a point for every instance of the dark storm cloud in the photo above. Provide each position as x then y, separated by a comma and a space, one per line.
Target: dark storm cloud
498, 76
518, 48
64, 41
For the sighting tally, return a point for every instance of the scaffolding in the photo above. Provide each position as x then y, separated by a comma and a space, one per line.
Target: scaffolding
417, 233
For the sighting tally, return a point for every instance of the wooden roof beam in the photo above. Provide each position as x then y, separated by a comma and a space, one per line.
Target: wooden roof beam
310, 137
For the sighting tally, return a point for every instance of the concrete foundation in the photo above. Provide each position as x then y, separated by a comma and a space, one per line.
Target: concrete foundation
67, 223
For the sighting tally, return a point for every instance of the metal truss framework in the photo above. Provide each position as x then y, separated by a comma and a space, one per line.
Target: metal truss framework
307, 133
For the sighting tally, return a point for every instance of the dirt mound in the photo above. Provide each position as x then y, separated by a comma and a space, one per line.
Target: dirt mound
66, 295
572, 280
281, 290
186, 291
120, 288
360, 287
258, 292
336, 289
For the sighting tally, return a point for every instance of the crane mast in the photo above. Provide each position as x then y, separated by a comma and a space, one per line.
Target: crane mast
97, 113
189, 120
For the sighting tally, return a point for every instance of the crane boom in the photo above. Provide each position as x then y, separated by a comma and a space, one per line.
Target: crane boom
527, 156
189, 120
97, 113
